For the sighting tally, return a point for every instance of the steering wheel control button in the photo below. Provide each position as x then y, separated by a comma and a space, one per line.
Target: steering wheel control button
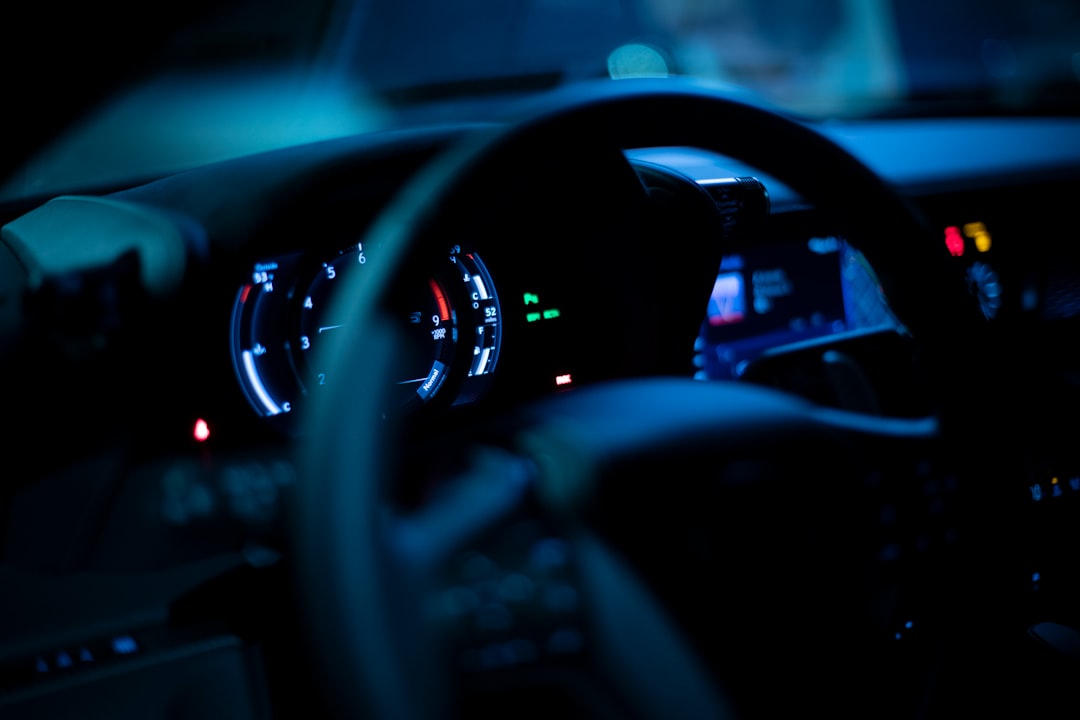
512, 604
494, 618
550, 554
496, 656
65, 661
561, 598
565, 641
516, 588
476, 567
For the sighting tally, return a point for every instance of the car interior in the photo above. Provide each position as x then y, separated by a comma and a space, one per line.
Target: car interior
633, 396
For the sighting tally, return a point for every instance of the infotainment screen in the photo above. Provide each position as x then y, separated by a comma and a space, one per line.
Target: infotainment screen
777, 294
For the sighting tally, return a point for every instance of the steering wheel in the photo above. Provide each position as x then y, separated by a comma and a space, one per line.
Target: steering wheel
554, 513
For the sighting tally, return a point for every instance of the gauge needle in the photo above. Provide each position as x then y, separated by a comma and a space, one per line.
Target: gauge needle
409, 382
330, 327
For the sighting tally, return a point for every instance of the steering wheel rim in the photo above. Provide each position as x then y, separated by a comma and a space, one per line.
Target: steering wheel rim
342, 532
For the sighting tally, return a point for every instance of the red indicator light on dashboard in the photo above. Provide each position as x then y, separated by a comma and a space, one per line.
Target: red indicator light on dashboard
954, 241
563, 379
202, 430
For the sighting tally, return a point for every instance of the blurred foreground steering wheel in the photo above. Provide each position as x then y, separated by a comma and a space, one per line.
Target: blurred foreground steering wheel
368, 574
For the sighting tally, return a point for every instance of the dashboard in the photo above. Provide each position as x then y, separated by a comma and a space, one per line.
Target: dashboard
195, 328
765, 296
785, 281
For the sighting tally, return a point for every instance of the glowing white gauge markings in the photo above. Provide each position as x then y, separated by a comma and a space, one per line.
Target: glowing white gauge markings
481, 290
482, 361
330, 327
257, 385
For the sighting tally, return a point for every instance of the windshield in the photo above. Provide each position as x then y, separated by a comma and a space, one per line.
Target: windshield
251, 75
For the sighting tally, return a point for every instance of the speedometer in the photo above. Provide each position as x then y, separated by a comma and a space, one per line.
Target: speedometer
286, 329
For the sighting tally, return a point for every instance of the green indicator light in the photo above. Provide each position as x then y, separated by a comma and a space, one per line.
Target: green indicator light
551, 314
532, 317
531, 299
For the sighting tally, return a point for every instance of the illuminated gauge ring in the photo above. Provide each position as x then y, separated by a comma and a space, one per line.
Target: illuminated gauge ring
258, 343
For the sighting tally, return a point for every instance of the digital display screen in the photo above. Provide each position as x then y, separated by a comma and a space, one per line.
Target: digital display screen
778, 294
727, 304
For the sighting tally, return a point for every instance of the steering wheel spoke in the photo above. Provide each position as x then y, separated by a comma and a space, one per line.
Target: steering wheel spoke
767, 523
528, 599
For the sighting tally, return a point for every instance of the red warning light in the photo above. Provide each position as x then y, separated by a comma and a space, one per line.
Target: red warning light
954, 241
202, 430
563, 379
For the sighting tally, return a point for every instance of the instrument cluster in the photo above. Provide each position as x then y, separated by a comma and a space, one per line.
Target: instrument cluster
287, 323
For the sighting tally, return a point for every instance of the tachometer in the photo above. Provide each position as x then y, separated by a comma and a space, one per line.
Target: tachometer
428, 319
